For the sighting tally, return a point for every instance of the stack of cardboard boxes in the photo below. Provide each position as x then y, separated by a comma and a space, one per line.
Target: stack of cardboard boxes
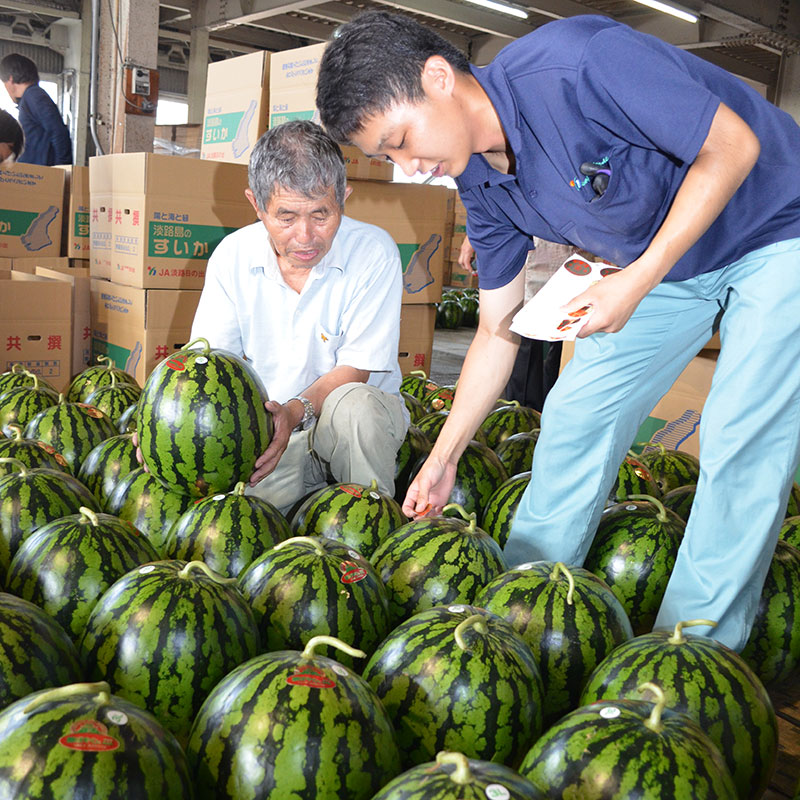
44, 247
455, 274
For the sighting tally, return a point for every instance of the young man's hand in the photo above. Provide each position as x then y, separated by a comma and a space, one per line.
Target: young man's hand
430, 489
284, 422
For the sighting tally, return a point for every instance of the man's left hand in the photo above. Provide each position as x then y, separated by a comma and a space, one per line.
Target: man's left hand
284, 423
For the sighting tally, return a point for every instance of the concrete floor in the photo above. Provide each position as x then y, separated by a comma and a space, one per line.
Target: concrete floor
449, 349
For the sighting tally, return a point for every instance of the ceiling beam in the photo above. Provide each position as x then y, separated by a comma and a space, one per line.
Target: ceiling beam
295, 26
222, 13
737, 66
753, 15
39, 8
558, 9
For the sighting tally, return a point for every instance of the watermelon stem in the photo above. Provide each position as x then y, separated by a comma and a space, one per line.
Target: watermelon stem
17, 431
204, 568
105, 360
205, 342
316, 641
476, 622
662, 512
461, 774
21, 468
101, 689
471, 517
420, 372
16, 368
89, 514
678, 637
313, 541
35, 378
654, 721
238, 490
559, 567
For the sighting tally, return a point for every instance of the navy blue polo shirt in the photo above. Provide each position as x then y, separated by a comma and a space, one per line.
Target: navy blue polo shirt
47, 139
590, 89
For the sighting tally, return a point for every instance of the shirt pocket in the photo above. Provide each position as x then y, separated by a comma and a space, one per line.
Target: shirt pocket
324, 349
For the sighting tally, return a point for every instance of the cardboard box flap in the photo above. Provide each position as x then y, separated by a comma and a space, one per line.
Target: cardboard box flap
374, 202
297, 67
35, 299
32, 178
236, 73
166, 309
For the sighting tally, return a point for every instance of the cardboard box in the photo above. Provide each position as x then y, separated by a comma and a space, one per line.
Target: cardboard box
293, 95
236, 107
416, 337
31, 210
462, 278
178, 140
454, 245
415, 217
75, 236
75, 273
36, 326
155, 220
138, 328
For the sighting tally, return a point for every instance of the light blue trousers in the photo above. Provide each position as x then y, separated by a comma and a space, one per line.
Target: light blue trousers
749, 434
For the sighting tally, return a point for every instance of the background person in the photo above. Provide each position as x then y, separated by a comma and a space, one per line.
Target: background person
11, 139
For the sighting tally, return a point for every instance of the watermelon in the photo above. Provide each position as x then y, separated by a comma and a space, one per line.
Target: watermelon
568, 617
113, 400
306, 587
498, 516
415, 408
633, 477
127, 419
458, 678
69, 563
680, 500
19, 406
107, 464
79, 741
671, 468
30, 498
30, 452
35, 652
417, 384
789, 533
454, 775
18, 377
507, 420
625, 749
709, 682
449, 314
773, 648
85, 382
415, 446
479, 475
201, 421
516, 451
469, 305
148, 505
431, 424
73, 429
164, 634
227, 531
634, 551
359, 516
793, 504
434, 561
440, 399
293, 725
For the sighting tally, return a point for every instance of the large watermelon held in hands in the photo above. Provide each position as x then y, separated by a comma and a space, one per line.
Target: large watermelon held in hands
201, 421
458, 678
709, 682
625, 749
79, 741
293, 724
570, 619
306, 587
360, 516
227, 531
164, 634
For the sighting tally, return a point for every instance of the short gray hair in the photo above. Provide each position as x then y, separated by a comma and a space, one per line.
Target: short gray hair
298, 156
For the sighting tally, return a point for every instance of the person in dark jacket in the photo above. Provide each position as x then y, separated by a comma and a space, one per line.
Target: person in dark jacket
11, 139
47, 139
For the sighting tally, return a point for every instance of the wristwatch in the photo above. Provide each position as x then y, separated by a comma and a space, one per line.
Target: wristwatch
309, 415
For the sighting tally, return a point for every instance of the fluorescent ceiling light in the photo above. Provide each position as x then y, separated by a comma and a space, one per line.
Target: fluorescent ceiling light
680, 13
501, 7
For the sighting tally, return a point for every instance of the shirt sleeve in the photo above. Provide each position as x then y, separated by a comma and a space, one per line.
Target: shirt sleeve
371, 320
216, 318
42, 107
664, 108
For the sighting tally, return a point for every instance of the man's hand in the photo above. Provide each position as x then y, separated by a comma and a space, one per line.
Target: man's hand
465, 254
430, 490
284, 421
139, 457
612, 300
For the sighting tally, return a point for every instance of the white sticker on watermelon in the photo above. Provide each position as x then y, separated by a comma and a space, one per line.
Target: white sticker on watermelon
374, 495
630, 508
496, 791
355, 554
218, 497
525, 566
145, 570
201, 360
117, 717
457, 609
610, 712
339, 670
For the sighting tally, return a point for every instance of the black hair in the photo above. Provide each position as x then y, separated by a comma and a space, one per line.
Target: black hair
19, 68
11, 133
374, 61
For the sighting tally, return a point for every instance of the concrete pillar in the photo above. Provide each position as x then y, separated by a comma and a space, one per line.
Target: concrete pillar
135, 42
788, 91
77, 58
198, 63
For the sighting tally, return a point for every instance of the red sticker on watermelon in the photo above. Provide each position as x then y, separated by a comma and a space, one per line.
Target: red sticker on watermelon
90, 410
178, 362
89, 735
352, 572
312, 677
353, 490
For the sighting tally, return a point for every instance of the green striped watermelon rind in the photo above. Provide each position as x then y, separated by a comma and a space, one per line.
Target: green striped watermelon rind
498, 515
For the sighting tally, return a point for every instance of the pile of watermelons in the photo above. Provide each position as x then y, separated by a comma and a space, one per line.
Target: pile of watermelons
458, 308
163, 634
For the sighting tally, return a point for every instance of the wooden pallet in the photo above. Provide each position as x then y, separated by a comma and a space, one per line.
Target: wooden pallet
786, 699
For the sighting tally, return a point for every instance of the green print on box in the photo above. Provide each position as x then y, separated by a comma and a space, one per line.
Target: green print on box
221, 127
170, 240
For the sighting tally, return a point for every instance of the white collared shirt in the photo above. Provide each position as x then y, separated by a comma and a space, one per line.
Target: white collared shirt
348, 312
